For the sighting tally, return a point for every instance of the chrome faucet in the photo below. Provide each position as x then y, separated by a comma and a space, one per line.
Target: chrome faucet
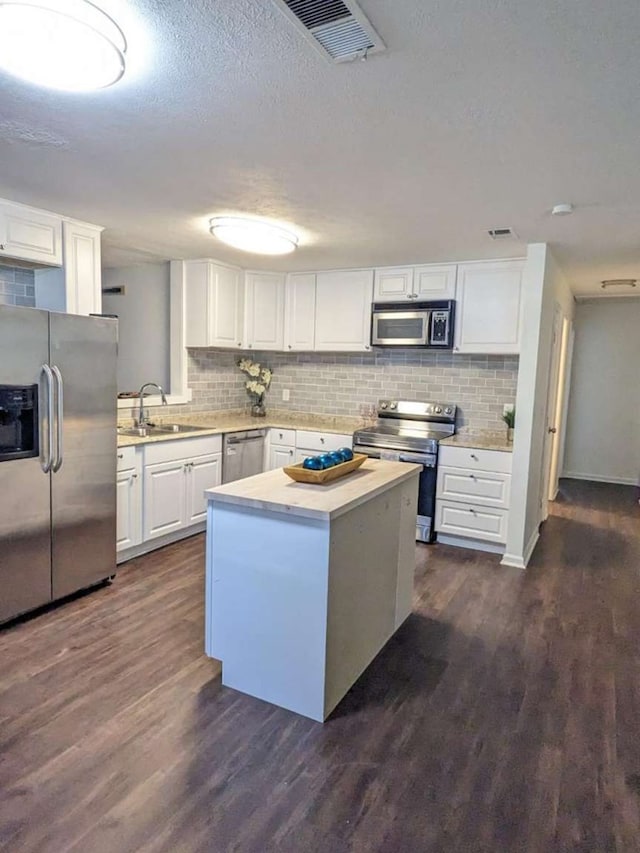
142, 421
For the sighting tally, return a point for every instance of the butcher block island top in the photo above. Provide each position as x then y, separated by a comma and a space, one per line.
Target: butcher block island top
276, 492
306, 583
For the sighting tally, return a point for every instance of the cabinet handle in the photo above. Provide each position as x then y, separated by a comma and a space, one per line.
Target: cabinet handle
134, 476
367, 346
120, 455
290, 347
473, 456
239, 343
280, 434
473, 476
250, 345
1, 247
291, 453
322, 441
472, 510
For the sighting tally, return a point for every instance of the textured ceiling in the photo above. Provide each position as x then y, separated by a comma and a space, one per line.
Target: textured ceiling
480, 113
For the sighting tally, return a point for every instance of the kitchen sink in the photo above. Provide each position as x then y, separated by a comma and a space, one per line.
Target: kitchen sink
162, 429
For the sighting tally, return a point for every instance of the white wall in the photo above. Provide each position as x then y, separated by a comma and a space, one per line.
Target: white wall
603, 431
144, 316
544, 287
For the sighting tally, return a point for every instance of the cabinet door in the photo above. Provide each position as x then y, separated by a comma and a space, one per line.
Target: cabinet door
280, 456
264, 311
128, 519
393, 284
300, 311
31, 235
489, 299
213, 305
435, 281
203, 472
164, 498
225, 308
82, 268
343, 310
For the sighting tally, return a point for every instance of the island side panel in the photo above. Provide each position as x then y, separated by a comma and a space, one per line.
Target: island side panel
267, 611
367, 546
406, 549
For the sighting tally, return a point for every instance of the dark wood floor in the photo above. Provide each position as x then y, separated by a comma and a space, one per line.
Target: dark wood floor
504, 716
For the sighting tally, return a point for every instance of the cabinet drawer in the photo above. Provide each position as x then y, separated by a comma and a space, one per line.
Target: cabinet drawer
283, 437
126, 458
475, 522
486, 488
181, 448
322, 440
475, 459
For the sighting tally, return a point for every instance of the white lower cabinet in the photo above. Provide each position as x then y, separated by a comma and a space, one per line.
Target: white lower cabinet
279, 456
472, 496
176, 474
128, 499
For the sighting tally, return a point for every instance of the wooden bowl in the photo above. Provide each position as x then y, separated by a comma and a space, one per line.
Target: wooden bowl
326, 475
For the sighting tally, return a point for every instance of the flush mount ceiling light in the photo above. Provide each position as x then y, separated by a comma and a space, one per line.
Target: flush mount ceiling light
253, 235
70, 45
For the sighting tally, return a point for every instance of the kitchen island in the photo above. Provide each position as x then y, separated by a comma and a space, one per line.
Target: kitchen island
305, 584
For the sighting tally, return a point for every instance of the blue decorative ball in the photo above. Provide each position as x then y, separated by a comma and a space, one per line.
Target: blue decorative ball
327, 461
313, 463
347, 453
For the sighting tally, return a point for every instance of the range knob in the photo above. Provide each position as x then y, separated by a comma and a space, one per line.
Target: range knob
448, 410
393, 405
438, 410
383, 405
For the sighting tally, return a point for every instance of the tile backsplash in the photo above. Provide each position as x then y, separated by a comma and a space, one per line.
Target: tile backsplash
17, 286
337, 383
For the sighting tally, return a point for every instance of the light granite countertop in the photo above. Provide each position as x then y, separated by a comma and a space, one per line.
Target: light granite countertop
481, 440
216, 423
274, 491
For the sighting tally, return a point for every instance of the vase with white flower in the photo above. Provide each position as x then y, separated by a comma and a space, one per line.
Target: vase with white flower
257, 384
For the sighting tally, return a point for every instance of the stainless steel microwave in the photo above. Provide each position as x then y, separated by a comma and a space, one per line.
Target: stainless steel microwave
420, 324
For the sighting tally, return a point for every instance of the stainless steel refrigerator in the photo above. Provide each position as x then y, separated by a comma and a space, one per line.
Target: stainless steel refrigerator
57, 455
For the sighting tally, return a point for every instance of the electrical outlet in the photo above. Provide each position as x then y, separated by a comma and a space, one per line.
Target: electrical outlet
285, 394
508, 407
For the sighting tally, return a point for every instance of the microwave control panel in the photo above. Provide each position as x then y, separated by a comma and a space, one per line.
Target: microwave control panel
439, 328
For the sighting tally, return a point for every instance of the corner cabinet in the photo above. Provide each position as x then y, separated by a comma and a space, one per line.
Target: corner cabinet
30, 235
343, 311
264, 311
430, 281
489, 307
214, 305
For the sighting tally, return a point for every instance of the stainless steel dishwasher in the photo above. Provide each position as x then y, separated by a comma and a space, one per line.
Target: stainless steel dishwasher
242, 454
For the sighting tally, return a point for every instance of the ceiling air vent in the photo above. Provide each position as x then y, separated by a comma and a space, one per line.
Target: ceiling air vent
501, 233
337, 28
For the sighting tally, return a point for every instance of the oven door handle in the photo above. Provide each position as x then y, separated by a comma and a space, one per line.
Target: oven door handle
428, 461
46, 461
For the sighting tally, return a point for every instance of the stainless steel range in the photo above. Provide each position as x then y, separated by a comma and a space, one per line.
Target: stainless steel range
408, 431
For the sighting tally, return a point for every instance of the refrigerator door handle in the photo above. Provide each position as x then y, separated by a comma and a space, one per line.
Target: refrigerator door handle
57, 464
46, 462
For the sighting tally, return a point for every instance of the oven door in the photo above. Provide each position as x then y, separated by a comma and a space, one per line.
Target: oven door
400, 328
427, 484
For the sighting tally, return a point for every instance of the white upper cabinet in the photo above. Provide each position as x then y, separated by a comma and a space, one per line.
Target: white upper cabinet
343, 310
489, 307
214, 302
264, 310
431, 281
30, 235
300, 312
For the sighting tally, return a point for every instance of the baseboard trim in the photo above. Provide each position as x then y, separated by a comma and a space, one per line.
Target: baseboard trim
160, 542
618, 481
521, 561
473, 544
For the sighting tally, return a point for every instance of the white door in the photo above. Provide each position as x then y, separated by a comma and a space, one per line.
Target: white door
489, 297
343, 310
225, 307
128, 531
553, 412
264, 311
203, 472
164, 498
300, 311
31, 235
392, 284
435, 281
279, 457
